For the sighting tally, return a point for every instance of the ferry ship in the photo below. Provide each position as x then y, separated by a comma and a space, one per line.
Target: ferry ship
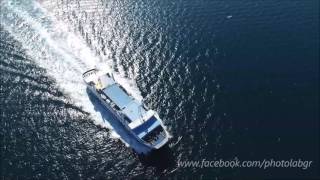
144, 124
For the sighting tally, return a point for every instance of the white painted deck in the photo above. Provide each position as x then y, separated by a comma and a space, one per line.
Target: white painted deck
134, 111
129, 106
143, 122
118, 96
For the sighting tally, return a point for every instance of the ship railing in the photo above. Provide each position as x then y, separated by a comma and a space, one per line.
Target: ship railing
89, 73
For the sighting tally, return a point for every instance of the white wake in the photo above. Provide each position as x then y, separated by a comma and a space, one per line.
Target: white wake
63, 54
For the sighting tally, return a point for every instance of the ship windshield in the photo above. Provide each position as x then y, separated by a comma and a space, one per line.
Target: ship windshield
146, 127
155, 136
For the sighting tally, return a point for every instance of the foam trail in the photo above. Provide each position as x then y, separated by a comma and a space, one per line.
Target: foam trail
47, 43
64, 55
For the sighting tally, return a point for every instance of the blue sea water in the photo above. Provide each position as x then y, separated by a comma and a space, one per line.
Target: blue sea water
230, 79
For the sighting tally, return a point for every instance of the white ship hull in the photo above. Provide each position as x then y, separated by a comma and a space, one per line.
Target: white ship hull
135, 123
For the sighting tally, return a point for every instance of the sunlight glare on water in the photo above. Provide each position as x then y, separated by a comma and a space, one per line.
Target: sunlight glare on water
62, 53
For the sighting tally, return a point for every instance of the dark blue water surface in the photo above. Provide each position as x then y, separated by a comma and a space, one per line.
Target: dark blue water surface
230, 79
